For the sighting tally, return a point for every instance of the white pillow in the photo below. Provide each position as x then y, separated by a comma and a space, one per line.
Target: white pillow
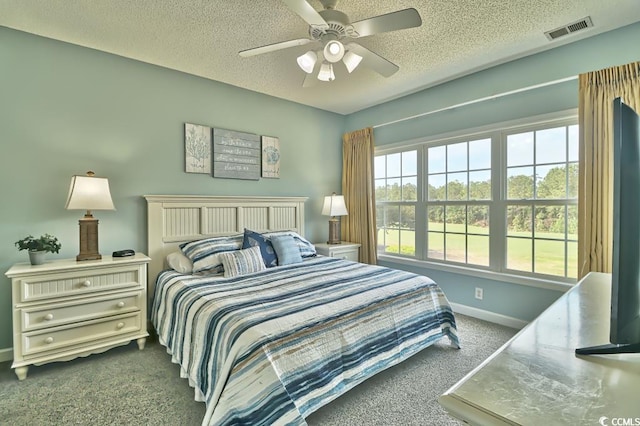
179, 262
241, 262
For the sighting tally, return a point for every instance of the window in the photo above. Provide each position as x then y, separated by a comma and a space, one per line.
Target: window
503, 201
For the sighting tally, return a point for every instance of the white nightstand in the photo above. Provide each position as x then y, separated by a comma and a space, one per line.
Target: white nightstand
344, 250
64, 309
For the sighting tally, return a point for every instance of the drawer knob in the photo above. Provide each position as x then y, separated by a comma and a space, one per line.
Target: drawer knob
119, 325
86, 283
120, 305
48, 317
48, 340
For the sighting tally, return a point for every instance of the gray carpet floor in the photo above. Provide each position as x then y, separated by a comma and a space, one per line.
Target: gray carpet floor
125, 386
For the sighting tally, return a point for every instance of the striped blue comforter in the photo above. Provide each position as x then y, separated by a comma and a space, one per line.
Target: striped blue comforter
274, 346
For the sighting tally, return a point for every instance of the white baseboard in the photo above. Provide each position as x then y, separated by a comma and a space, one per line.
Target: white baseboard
489, 316
6, 354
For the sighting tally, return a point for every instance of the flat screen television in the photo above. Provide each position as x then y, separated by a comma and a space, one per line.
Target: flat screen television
624, 334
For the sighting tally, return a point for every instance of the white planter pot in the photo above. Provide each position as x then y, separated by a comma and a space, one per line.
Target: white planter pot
36, 257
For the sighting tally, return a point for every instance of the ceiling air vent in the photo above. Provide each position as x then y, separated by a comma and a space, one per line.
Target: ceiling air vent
569, 28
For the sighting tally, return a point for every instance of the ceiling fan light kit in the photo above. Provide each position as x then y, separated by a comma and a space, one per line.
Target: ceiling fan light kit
326, 72
308, 61
334, 30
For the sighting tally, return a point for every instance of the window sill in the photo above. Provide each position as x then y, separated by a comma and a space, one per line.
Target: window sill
490, 275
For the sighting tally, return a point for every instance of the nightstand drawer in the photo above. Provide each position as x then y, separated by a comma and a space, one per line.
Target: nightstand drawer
61, 284
346, 254
63, 313
77, 334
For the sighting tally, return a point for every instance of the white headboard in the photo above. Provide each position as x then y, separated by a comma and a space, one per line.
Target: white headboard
175, 219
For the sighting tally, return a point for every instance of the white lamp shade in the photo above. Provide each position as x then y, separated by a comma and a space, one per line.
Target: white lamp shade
326, 72
333, 51
334, 206
89, 193
351, 60
307, 61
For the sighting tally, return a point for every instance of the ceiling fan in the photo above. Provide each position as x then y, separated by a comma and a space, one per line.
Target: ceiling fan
334, 31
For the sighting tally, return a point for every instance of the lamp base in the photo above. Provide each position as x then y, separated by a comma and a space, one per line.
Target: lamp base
88, 239
334, 231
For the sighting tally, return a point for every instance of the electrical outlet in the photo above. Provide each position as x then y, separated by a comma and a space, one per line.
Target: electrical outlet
479, 293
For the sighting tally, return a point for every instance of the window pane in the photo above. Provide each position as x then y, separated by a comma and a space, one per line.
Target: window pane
393, 165
408, 230
478, 252
391, 216
480, 154
455, 247
549, 257
381, 189
480, 185
520, 149
572, 260
519, 221
573, 143
435, 243
379, 218
394, 192
410, 189
435, 218
456, 186
478, 220
520, 183
572, 190
455, 218
437, 157
572, 222
437, 187
410, 163
549, 222
457, 157
392, 241
551, 145
379, 168
551, 182
519, 254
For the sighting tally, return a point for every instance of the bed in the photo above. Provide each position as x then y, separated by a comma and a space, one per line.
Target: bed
270, 345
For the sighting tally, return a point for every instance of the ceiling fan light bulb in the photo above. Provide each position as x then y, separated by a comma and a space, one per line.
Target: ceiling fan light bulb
326, 72
351, 60
333, 51
307, 61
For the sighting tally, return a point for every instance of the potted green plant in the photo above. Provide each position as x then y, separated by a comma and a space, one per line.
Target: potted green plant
37, 247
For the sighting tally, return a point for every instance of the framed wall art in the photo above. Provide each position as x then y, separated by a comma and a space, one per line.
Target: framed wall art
270, 157
197, 148
236, 155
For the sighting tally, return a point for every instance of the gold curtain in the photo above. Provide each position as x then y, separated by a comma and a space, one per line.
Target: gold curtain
359, 226
595, 200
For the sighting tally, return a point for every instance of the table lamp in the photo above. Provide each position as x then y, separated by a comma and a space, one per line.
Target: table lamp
89, 193
334, 206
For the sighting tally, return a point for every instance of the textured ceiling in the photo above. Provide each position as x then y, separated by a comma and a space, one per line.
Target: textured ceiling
203, 37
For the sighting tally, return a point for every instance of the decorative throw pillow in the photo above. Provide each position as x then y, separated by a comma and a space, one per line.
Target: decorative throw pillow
287, 249
307, 249
241, 262
205, 253
255, 239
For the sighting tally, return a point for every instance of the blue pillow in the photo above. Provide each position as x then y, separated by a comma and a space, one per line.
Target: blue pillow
307, 249
253, 239
286, 249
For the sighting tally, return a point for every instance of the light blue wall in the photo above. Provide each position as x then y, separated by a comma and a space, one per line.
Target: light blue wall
612, 48
65, 109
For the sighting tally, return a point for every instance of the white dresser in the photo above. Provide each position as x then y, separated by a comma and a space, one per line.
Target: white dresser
344, 250
64, 309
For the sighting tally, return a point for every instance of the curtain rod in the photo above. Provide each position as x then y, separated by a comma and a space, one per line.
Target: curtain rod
475, 101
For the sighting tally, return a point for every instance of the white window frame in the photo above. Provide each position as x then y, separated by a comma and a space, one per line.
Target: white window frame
497, 268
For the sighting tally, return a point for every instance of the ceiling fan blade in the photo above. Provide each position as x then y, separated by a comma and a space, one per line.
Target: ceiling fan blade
306, 12
273, 47
374, 61
399, 20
